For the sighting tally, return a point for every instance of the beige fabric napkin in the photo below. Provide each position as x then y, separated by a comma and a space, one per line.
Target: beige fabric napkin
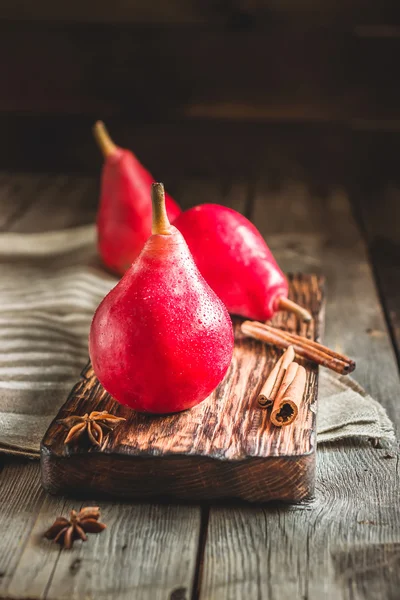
345, 410
51, 284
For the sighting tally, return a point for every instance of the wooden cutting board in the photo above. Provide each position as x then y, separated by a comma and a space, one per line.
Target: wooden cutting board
224, 448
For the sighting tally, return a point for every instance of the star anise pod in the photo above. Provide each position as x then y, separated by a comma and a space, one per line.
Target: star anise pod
65, 532
96, 426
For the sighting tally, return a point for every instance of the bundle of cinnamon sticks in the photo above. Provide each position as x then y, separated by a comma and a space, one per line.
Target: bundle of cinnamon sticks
302, 346
284, 388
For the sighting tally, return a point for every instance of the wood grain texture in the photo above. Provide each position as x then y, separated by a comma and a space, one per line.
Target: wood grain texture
153, 550
318, 233
137, 535
131, 551
55, 202
227, 441
16, 195
37, 202
21, 498
379, 209
345, 543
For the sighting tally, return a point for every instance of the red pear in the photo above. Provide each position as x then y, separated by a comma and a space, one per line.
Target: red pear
236, 262
124, 217
161, 340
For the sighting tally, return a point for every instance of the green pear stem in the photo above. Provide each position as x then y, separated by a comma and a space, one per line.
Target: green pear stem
299, 311
161, 224
103, 139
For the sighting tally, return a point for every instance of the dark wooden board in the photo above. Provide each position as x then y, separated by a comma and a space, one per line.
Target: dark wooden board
35, 568
345, 543
225, 447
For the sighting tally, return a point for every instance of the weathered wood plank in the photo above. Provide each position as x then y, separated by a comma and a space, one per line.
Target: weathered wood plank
39, 557
148, 541
16, 195
379, 210
311, 550
320, 235
154, 553
21, 497
39, 202
346, 543
62, 201
129, 559
33, 568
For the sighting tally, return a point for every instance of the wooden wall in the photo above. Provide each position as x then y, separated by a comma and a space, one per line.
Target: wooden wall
231, 70
206, 12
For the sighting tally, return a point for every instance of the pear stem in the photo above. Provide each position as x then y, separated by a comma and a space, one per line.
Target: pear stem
103, 139
161, 224
299, 311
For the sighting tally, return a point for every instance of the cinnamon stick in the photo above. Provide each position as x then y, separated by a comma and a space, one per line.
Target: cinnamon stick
303, 340
273, 382
287, 380
287, 402
302, 346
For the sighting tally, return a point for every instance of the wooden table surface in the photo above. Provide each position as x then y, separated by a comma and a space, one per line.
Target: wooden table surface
345, 544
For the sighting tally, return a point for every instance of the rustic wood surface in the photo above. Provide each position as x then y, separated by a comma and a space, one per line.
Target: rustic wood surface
343, 545
226, 447
379, 210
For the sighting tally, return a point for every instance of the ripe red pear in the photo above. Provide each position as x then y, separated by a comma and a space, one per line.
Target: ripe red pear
161, 340
236, 262
124, 217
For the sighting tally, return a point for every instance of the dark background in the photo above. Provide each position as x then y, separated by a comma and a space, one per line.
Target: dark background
223, 86
283, 90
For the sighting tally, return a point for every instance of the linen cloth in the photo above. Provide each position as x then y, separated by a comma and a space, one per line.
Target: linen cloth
50, 286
